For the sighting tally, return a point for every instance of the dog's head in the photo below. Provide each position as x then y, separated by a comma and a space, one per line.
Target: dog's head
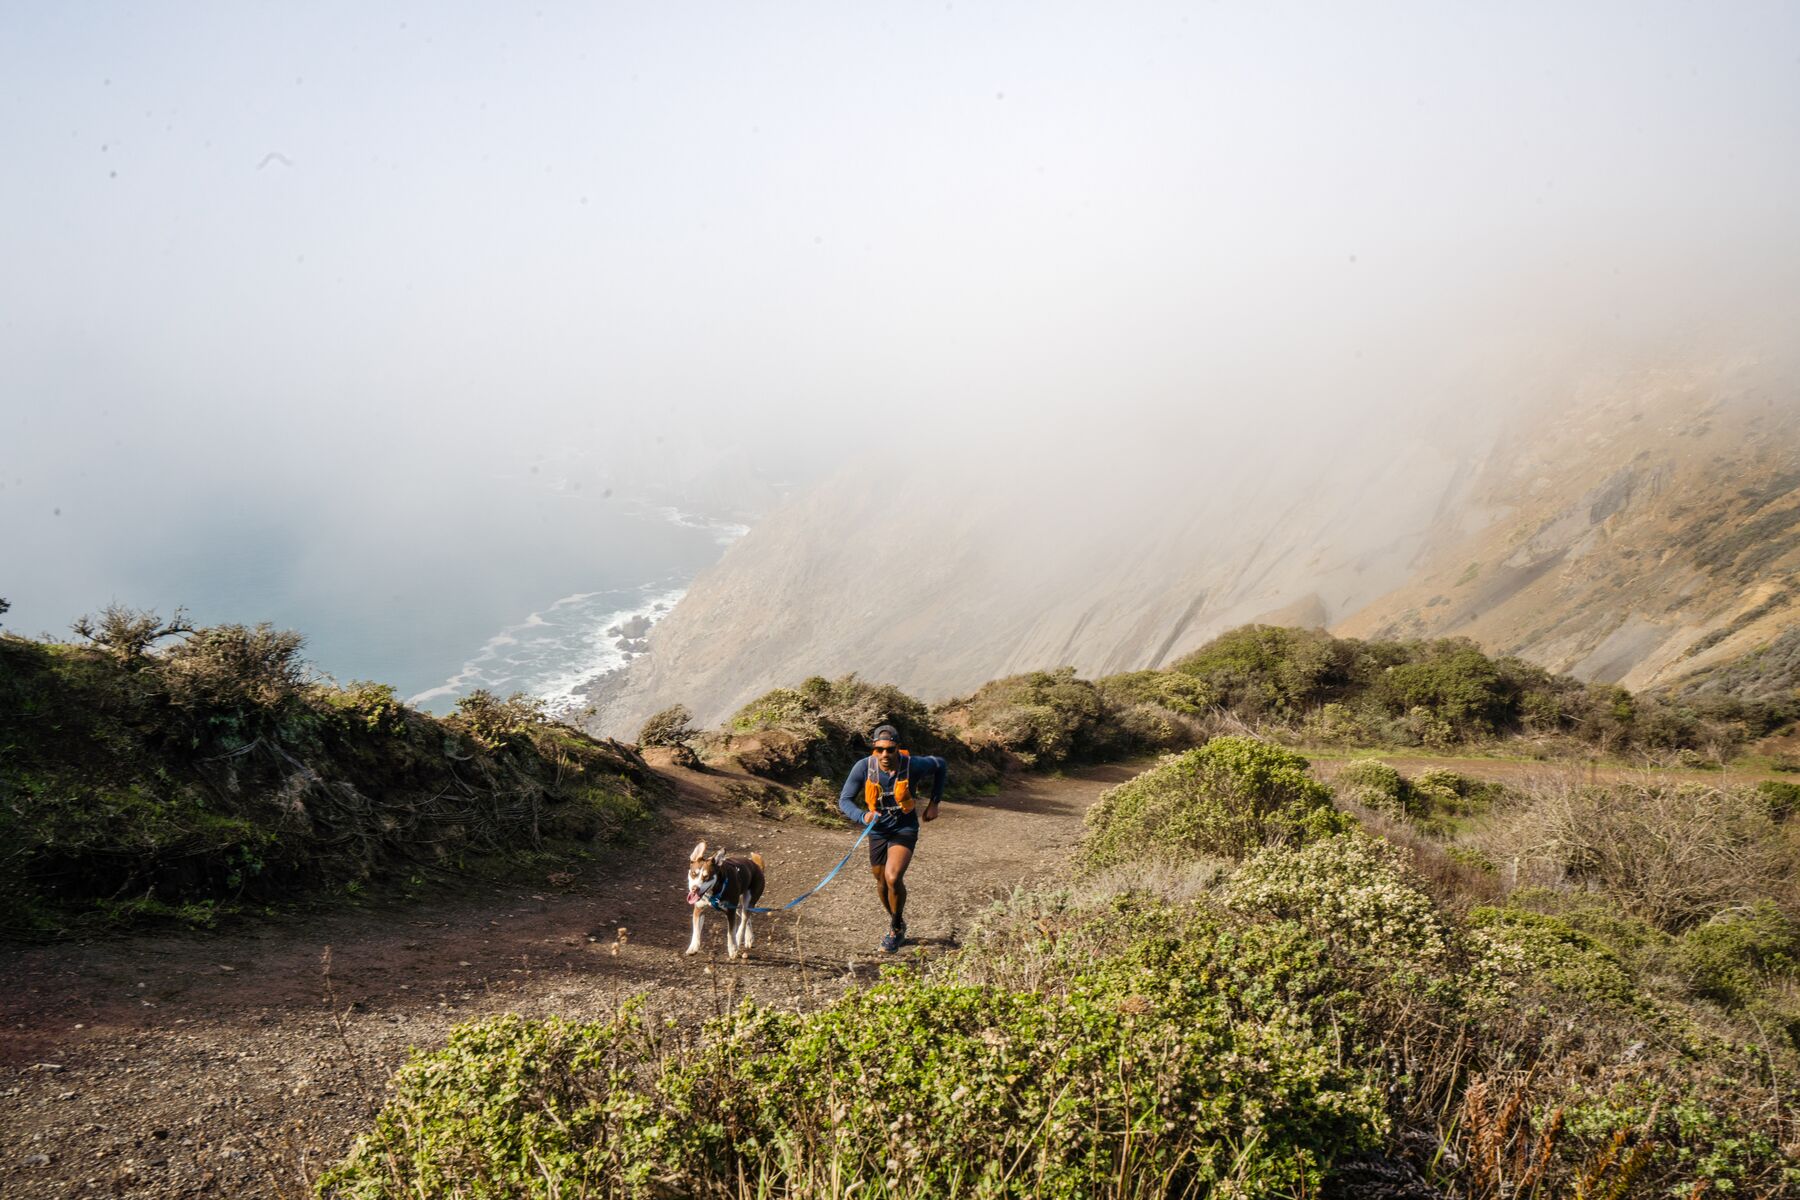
703, 873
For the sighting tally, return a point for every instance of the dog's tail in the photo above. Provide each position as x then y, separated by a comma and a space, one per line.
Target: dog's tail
757, 859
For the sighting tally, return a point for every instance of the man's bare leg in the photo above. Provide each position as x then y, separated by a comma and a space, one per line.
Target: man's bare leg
881, 886
895, 876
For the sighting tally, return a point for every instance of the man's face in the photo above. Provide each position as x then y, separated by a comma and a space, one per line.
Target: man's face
887, 756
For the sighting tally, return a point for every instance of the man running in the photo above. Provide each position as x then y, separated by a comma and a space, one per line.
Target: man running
881, 792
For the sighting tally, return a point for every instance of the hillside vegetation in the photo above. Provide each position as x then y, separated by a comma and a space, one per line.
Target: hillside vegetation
1254, 988
1297, 686
1309, 685
141, 783
154, 770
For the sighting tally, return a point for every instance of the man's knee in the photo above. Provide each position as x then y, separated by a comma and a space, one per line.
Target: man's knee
895, 874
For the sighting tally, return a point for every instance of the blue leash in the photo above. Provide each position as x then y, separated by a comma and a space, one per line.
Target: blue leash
712, 898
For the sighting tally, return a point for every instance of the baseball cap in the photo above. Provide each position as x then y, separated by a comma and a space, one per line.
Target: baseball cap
884, 733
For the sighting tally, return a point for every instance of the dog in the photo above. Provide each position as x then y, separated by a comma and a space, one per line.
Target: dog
737, 882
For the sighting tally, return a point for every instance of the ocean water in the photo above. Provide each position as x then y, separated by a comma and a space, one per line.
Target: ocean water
569, 619
557, 652
505, 584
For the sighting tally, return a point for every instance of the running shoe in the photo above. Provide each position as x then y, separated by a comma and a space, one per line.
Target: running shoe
894, 940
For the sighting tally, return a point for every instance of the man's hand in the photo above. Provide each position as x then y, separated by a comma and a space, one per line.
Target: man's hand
931, 811
868, 818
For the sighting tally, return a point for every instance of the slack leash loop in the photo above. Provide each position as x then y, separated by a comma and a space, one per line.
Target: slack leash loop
712, 898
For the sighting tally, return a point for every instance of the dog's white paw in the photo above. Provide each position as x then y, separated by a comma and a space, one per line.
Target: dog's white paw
692, 950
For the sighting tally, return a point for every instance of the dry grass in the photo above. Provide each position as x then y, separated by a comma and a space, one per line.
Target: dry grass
1673, 854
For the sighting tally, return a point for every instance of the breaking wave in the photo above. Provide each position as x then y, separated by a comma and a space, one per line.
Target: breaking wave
556, 654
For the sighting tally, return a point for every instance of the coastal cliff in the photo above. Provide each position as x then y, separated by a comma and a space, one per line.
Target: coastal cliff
1631, 533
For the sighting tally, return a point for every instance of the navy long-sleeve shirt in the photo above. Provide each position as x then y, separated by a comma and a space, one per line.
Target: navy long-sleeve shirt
850, 799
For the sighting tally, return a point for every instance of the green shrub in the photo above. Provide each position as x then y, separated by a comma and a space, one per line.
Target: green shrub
494, 722
1645, 950
1441, 692
1469, 856
1155, 710
1194, 1053
778, 708
1340, 724
507, 1108
1042, 719
819, 730
1374, 784
1227, 798
213, 776
234, 669
1456, 684
1438, 789
1147, 1065
1443, 800
1699, 1137
1269, 669
1150, 727
1173, 690
1733, 957
817, 801
1424, 727
673, 726
837, 707
1782, 798
1755, 694
374, 706
1521, 948
128, 634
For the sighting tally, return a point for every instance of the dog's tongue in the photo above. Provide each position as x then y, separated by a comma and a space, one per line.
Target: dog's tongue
693, 897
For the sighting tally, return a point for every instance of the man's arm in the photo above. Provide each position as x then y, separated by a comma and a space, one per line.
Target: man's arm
940, 775
850, 799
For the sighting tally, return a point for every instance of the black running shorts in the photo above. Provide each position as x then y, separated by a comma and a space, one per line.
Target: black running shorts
906, 835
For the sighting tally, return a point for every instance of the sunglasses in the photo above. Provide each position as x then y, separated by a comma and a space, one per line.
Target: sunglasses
886, 749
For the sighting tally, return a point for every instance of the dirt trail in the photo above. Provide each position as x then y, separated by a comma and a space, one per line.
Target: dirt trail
229, 1065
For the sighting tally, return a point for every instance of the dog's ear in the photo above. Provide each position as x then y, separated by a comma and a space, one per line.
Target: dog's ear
719, 857
699, 852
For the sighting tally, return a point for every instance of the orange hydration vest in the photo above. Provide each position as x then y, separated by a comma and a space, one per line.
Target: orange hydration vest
902, 786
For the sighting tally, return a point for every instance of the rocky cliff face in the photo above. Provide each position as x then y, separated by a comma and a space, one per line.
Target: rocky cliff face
1638, 537
1652, 529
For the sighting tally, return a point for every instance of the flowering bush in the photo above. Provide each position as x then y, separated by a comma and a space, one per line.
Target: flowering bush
1513, 948
1352, 886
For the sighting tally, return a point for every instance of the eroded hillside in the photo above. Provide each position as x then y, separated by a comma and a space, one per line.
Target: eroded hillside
1645, 535
1635, 531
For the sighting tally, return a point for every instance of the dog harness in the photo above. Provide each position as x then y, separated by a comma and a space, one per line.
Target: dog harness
722, 905
897, 798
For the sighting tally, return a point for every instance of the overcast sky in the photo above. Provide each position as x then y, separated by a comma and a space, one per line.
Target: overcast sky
253, 249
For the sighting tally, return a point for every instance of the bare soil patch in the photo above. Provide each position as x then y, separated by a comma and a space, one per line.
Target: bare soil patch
234, 1064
